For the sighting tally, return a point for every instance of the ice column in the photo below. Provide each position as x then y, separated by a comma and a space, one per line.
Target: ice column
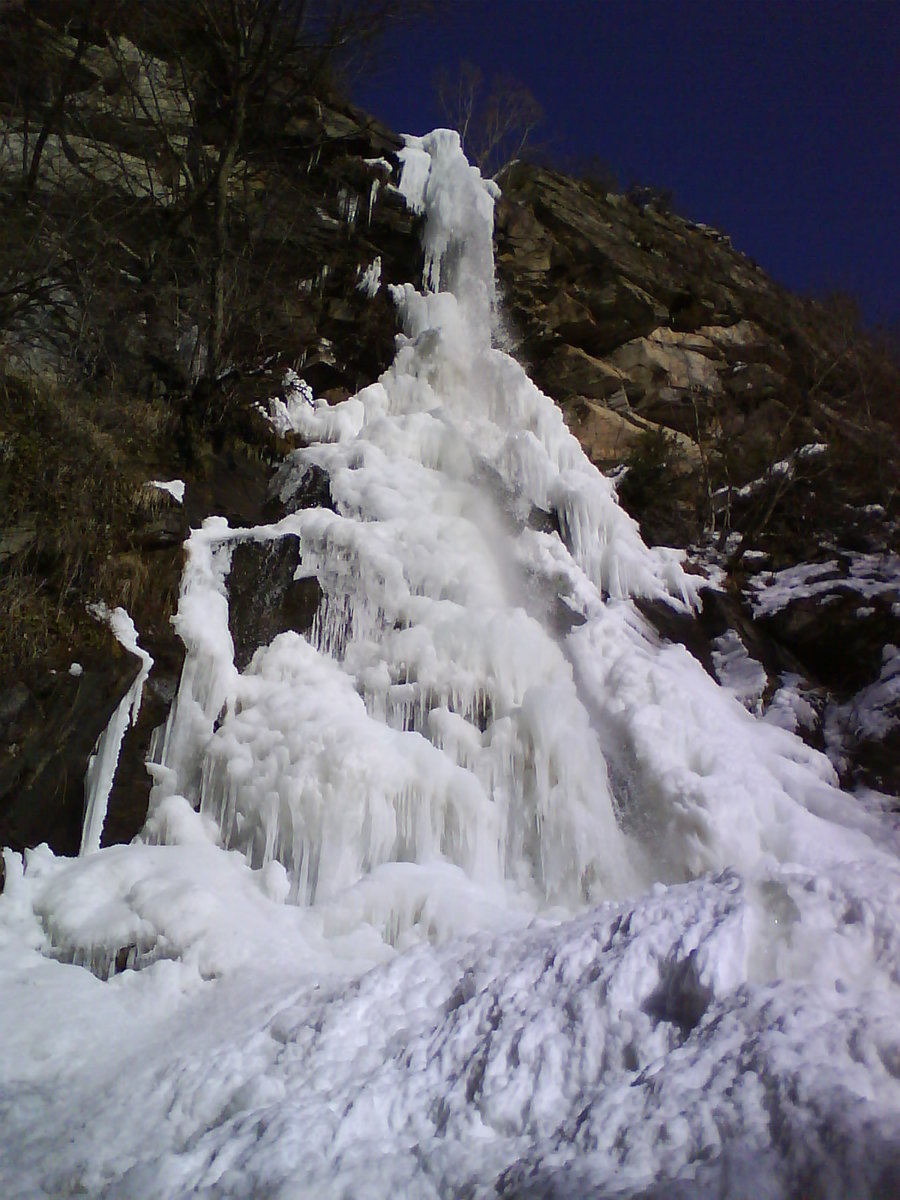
101, 768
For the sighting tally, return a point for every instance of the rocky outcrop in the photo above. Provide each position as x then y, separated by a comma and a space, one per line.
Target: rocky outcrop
623, 303
49, 724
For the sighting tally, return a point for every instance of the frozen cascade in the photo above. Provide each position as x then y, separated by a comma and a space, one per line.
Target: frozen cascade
478, 889
433, 717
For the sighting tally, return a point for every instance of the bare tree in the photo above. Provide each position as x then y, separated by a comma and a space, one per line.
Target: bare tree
495, 126
126, 166
241, 62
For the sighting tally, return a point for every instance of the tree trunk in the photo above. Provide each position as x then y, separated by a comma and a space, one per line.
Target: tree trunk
54, 113
227, 159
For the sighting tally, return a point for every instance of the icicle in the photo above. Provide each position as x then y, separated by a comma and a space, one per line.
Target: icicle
374, 189
370, 278
207, 684
348, 207
101, 768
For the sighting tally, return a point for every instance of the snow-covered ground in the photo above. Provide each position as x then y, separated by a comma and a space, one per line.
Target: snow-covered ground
864, 575
480, 889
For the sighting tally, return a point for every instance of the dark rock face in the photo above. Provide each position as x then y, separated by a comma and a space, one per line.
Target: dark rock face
635, 319
127, 804
48, 734
264, 597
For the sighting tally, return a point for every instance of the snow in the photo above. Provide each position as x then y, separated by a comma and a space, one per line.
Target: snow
617, 1050
738, 672
792, 706
479, 889
865, 575
174, 487
314, 419
872, 713
776, 470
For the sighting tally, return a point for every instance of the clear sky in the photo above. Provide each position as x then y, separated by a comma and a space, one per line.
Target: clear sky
778, 121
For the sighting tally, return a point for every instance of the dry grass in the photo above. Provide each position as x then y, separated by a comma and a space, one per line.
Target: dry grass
72, 466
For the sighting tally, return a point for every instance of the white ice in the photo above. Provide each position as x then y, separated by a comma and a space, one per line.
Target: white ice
174, 488
479, 889
370, 278
737, 671
102, 764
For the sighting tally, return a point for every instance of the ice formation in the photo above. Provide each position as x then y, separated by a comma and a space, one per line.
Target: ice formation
370, 278
738, 671
101, 769
479, 888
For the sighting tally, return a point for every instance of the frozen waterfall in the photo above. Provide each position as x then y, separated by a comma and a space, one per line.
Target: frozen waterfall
479, 888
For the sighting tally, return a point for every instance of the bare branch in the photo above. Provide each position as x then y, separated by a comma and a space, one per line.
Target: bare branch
494, 129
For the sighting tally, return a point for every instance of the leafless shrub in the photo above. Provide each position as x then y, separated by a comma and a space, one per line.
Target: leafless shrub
495, 126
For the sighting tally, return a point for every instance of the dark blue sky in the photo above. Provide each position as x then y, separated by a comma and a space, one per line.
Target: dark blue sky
778, 122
